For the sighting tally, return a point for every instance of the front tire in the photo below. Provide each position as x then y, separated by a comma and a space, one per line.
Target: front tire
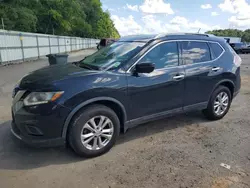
219, 103
94, 131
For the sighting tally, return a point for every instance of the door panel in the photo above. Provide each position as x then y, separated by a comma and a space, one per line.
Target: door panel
201, 72
199, 81
160, 90
155, 92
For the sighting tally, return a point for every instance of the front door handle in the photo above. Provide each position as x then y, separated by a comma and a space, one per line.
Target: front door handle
178, 77
215, 68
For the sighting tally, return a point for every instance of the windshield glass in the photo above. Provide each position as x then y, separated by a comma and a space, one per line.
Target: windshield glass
112, 56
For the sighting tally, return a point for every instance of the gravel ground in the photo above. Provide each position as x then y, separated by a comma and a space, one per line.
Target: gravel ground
183, 151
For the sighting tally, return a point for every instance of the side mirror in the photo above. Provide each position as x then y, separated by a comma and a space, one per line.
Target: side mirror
144, 68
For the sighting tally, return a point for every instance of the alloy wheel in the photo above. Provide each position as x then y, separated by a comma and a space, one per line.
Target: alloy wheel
97, 132
221, 103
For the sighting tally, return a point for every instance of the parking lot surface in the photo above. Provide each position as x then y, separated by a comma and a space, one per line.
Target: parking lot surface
181, 151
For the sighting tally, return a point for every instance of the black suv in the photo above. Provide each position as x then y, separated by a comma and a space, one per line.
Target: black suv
135, 80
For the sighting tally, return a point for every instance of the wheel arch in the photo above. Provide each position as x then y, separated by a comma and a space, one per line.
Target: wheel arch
227, 83
112, 103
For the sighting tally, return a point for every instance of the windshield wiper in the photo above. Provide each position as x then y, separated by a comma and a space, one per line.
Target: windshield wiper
82, 65
90, 67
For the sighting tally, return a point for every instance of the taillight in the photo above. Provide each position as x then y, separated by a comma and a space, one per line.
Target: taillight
237, 60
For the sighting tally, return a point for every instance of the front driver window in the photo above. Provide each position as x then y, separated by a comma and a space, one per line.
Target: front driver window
163, 55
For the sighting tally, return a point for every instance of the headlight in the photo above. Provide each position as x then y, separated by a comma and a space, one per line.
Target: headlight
36, 98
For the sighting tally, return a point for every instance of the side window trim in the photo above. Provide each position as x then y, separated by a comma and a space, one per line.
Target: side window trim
150, 49
180, 52
211, 51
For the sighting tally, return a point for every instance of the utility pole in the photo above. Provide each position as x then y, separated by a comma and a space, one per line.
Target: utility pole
2, 23
199, 30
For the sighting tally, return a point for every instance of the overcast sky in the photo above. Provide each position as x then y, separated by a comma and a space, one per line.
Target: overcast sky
158, 16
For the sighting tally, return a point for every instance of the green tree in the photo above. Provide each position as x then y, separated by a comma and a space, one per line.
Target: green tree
245, 35
83, 18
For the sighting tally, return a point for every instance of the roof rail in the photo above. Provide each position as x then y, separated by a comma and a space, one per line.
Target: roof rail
202, 34
166, 34
160, 35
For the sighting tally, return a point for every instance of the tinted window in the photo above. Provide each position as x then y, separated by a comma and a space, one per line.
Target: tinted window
195, 52
216, 49
163, 55
103, 42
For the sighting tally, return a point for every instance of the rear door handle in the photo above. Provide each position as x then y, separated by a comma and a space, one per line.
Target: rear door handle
215, 68
178, 77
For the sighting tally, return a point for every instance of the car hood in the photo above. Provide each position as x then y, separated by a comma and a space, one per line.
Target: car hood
48, 75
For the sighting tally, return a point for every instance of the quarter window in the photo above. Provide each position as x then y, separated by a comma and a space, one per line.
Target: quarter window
195, 52
163, 55
216, 49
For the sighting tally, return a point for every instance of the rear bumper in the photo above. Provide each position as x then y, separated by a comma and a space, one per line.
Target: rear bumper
36, 142
237, 82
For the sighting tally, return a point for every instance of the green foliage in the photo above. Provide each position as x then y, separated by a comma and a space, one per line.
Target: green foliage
245, 35
83, 18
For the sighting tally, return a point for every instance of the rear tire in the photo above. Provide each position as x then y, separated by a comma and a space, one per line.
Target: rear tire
87, 138
219, 103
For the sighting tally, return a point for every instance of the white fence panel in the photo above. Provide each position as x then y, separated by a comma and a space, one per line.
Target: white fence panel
9, 40
30, 53
62, 41
43, 41
19, 46
54, 50
29, 41
44, 51
53, 41
7, 54
68, 48
62, 49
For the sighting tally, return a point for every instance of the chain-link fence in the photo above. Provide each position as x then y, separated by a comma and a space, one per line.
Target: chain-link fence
20, 46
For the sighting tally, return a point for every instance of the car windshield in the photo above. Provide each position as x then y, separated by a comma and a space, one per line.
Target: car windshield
112, 56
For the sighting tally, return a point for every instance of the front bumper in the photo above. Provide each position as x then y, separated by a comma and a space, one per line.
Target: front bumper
40, 125
36, 142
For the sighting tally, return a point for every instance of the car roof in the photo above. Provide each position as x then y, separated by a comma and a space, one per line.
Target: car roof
171, 36
137, 38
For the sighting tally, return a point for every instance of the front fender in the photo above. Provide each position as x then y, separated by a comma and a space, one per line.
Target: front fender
85, 103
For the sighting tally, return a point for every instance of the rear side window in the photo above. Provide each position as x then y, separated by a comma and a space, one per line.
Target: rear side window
195, 52
216, 50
